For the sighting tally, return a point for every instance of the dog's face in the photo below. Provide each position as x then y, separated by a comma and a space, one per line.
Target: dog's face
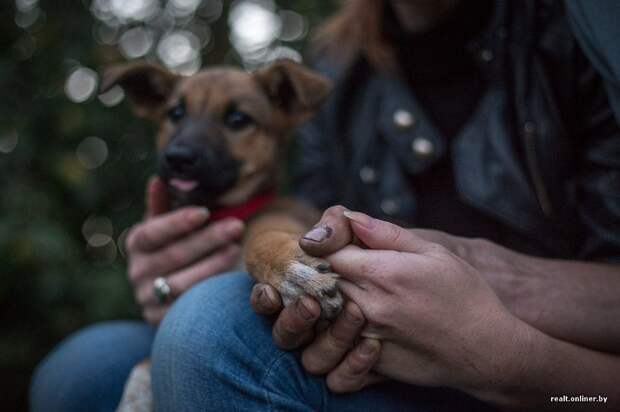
220, 130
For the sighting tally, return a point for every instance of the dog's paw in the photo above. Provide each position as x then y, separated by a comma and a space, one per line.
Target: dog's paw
307, 275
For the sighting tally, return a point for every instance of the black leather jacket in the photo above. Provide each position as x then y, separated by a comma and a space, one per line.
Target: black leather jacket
541, 154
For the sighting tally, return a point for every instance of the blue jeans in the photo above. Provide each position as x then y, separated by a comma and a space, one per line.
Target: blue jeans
211, 352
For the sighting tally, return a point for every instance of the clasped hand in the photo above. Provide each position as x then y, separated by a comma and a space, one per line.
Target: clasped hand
417, 313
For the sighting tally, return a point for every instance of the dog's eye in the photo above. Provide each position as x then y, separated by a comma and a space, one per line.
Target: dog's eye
237, 120
177, 112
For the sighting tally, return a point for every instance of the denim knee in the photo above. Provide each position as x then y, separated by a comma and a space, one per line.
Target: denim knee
87, 371
212, 352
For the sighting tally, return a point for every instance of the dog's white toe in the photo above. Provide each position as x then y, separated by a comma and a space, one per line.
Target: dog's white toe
304, 278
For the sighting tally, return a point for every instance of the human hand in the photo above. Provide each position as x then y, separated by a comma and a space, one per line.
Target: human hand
439, 322
337, 352
176, 245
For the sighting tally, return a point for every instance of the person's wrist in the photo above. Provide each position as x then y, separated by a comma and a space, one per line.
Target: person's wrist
509, 274
516, 351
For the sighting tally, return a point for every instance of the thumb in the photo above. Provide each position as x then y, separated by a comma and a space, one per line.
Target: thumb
382, 235
156, 197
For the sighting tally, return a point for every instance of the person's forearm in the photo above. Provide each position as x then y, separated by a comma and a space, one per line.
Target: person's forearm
538, 371
573, 301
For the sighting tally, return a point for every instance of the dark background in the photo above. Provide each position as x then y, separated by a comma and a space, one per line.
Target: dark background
73, 164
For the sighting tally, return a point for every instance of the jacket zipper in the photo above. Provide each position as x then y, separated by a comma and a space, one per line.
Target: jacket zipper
532, 162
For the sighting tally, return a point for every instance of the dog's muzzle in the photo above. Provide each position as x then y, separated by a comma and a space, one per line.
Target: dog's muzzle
195, 173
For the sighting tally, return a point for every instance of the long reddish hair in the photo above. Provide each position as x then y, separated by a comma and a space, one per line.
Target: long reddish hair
356, 29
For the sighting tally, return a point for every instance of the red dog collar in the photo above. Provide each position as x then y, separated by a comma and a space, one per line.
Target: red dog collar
246, 210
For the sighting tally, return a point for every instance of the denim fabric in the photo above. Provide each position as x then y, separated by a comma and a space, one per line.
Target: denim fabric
87, 371
213, 353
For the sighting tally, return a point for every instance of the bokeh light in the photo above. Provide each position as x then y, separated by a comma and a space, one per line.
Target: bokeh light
92, 152
8, 141
180, 51
136, 42
294, 26
97, 230
112, 97
134, 9
81, 84
254, 26
26, 5
184, 7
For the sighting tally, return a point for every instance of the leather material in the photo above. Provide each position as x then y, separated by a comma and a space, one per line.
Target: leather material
540, 154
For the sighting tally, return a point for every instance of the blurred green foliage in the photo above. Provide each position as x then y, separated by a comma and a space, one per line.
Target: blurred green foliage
57, 277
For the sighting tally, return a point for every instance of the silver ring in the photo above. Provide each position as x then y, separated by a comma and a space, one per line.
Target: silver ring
161, 289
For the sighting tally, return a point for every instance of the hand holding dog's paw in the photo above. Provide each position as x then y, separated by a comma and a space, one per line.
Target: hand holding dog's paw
279, 261
307, 275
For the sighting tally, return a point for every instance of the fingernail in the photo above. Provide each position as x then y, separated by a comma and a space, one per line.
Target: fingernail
318, 234
304, 310
359, 218
270, 297
199, 216
233, 228
368, 347
263, 298
353, 314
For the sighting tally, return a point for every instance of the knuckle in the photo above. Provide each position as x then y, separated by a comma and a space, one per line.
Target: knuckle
435, 249
335, 211
339, 339
143, 238
173, 256
356, 365
288, 327
375, 313
395, 234
281, 338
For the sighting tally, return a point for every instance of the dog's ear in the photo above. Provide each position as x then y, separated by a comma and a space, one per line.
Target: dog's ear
294, 89
147, 86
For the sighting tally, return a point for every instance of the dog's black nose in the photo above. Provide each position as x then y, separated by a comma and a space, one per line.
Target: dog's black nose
181, 158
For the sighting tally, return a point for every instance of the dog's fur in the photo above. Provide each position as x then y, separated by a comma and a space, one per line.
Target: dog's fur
221, 136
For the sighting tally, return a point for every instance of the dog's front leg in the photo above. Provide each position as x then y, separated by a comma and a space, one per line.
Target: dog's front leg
273, 256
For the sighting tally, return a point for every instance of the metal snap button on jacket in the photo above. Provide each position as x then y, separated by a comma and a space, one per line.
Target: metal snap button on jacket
422, 147
486, 55
368, 174
403, 119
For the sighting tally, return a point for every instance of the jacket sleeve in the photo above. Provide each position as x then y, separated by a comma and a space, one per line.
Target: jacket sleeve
599, 174
595, 25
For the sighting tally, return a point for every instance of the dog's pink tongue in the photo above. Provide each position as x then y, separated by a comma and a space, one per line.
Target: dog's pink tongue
183, 185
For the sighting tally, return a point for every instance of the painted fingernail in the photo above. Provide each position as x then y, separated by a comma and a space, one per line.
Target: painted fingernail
304, 309
368, 347
199, 216
359, 218
318, 234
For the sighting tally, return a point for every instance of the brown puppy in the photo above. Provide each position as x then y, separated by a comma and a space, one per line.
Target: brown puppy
221, 136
